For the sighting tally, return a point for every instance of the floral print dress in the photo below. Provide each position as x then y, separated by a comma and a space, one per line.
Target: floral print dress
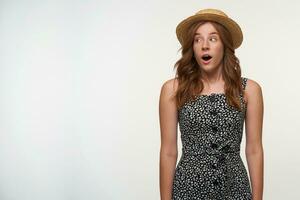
210, 167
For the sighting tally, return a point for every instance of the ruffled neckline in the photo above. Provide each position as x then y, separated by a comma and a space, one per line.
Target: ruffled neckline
209, 95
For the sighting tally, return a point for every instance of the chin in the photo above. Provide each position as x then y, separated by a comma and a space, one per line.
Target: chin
209, 67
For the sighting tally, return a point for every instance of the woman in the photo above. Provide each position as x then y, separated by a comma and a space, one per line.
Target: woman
211, 101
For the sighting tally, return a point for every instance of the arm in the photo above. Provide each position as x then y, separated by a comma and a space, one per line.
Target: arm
254, 146
168, 130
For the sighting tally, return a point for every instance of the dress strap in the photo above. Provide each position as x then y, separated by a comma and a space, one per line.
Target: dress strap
244, 82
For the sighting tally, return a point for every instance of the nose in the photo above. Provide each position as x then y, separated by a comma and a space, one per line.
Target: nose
205, 45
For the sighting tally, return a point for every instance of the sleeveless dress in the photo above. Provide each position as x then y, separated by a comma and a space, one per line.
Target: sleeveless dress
210, 167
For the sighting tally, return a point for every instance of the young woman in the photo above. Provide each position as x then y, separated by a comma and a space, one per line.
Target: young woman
211, 101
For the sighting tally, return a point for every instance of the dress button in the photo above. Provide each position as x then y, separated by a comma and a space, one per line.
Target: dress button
221, 158
214, 128
213, 112
212, 98
215, 182
214, 166
214, 145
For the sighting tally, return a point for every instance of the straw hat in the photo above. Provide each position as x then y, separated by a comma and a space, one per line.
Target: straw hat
211, 15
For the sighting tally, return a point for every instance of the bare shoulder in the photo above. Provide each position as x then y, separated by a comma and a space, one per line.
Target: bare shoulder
169, 87
167, 101
253, 90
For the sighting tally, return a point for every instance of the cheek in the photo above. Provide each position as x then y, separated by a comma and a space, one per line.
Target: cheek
220, 51
196, 52
195, 48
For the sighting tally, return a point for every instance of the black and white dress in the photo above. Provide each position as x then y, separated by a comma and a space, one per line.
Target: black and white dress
210, 167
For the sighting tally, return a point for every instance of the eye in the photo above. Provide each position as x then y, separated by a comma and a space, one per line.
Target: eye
213, 39
197, 39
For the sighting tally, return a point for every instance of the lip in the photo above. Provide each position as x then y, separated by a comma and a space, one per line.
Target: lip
206, 62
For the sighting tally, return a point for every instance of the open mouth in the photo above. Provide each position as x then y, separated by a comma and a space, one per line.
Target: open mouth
206, 57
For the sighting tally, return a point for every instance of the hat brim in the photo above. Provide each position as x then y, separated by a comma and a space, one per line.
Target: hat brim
228, 23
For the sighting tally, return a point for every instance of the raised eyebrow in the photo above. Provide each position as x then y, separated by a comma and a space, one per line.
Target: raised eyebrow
209, 33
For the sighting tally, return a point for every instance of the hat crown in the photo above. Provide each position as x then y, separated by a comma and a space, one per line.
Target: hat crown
212, 11
210, 14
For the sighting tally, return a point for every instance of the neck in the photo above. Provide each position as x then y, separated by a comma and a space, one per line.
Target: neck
212, 78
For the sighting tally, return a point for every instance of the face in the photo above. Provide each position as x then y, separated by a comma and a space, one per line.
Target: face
208, 48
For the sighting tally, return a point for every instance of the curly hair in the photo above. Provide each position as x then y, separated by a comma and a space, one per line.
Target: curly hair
188, 72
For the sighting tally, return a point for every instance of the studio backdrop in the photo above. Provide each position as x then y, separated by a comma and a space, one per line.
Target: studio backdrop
80, 84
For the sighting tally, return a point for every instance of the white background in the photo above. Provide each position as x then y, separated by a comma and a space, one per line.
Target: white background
80, 84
